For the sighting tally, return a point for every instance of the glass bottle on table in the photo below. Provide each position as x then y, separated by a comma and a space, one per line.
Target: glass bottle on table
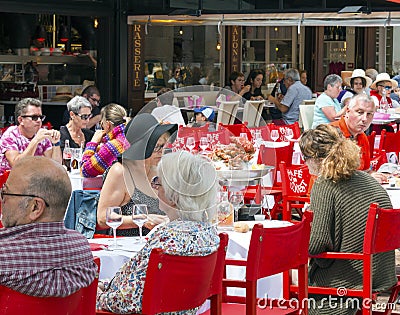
225, 211
383, 103
67, 155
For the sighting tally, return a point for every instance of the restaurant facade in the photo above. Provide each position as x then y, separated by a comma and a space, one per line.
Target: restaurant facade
131, 49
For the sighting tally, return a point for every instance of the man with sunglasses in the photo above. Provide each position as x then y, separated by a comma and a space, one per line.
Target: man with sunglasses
39, 256
92, 94
27, 137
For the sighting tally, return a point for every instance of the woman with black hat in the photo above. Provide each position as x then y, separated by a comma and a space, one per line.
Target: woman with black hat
128, 183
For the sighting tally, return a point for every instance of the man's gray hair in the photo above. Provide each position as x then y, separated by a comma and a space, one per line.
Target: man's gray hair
190, 182
22, 105
78, 102
331, 80
292, 74
360, 98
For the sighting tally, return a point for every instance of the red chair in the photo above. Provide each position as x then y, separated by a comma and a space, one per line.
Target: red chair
295, 187
219, 136
390, 141
271, 251
282, 130
175, 283
81, 302
381, 235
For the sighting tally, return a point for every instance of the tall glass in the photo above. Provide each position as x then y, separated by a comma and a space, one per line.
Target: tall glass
139, 217
236, 200
114, 220
190, 143
203, 144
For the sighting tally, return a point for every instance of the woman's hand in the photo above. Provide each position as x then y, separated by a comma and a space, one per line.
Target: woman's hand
98, 135
155, 219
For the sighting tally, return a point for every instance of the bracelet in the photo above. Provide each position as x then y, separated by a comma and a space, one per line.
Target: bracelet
57, 144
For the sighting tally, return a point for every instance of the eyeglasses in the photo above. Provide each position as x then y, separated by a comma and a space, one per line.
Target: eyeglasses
2, 194
155, 182
94, 100
158, 148
84, 116
35, 117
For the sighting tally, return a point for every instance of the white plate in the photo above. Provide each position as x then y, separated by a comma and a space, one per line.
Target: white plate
387, 187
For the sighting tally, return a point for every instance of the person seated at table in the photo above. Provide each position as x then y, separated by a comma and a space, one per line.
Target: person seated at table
203, 116
295, 95
38, 255
106, 144
236, 83
27, 138
340, 200
128, 183
75, 131
327, 107
357, 84
383, 85
188, 198
359, 114
255, 80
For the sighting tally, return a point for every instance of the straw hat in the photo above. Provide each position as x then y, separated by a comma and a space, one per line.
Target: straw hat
85, 84
384, 77
358, 73
345, 74
63, 94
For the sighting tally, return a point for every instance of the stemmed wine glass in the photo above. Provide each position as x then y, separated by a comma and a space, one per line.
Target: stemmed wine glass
190, 143
114, 220
203, 144
139, 217
274, 135
243, 135
236, 200
11, 120
289, 134
3, 121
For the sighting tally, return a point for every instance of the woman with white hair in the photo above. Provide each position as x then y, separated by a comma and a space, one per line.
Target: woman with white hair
187, 188
80, 111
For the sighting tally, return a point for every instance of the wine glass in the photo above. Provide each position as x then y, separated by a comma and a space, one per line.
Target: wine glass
139, 217
97, 127
289, 134
265, 205
190, 143
114, 220
203, 144
236, 200
11, 120
274, 135
3, 120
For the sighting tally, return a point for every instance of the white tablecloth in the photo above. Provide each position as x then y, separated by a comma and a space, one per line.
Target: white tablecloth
394, 194
238, 247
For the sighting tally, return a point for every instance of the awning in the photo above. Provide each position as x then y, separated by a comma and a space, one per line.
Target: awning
374, 19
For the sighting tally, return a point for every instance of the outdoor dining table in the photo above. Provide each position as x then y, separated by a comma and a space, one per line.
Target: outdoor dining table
238, 247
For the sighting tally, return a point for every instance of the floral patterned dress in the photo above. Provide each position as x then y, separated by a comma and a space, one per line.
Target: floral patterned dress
184, 238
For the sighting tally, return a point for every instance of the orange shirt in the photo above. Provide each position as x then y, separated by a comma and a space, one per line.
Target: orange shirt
362, 142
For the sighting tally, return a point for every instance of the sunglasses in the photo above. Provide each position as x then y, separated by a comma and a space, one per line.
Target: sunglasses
155, 182
2, 194
158, 148
387, 87
84, 116
94, 100
35, 117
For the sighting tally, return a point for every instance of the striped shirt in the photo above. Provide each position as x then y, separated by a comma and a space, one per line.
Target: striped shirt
45, 259
98, 157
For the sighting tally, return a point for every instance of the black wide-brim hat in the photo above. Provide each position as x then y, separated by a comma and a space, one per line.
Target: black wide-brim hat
143, 132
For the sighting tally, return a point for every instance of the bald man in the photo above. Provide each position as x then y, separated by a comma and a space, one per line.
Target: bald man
39, 256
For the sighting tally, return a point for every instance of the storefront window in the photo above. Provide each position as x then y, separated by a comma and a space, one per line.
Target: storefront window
178, 56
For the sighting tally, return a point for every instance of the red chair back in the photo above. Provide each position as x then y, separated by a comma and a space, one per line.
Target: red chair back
295, 188
274, 156
176, 283
390, 141
271, 251
78, 303
236, 129
282, 130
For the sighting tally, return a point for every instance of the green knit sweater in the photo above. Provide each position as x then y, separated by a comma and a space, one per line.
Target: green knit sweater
340, 214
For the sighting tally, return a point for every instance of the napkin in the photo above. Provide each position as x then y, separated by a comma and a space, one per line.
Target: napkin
94, 246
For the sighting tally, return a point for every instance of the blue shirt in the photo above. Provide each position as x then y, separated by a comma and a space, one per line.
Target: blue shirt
294, 96
324, 101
